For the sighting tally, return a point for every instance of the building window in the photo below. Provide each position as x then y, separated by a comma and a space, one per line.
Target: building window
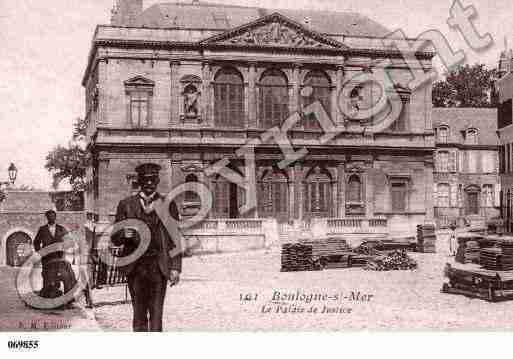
399, 195
273, 196
488, 195
443, 161
443, 134
273, 98
471, 136
229, 98
472, 206
318, 193
191, 196
354, 189
139, 92
443, 195
320, 86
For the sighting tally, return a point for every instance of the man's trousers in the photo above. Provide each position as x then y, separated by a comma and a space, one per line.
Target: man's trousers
147, 288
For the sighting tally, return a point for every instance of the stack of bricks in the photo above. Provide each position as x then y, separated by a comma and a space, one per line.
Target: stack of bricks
426, 238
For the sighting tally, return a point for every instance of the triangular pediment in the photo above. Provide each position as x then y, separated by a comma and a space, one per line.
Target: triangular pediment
139, 81
274, 30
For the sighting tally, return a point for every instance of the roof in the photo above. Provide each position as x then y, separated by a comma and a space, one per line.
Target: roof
461, 119
223, 17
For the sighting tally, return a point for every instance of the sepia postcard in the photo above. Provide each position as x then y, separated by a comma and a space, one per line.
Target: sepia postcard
248, 165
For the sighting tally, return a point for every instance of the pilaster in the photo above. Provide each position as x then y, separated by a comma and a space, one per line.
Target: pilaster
174, 113
251, 97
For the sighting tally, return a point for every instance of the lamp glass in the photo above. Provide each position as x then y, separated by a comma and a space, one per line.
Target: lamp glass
13, 172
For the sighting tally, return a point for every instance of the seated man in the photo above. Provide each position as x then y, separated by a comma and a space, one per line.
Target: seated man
55, 267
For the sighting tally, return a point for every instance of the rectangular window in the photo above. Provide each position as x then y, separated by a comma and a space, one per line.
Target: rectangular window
443, 161
473, 203
399, 197
139, 108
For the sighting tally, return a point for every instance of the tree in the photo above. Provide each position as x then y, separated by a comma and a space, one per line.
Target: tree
466, 86
70, 162
444, 94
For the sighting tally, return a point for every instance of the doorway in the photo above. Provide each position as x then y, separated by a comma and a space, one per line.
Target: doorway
18, 248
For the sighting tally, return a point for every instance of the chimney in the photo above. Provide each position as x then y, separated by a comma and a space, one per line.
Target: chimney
125, 12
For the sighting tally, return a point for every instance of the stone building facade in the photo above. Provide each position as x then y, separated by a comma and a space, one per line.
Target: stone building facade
21, 215
185, 85
504, 86
467, 187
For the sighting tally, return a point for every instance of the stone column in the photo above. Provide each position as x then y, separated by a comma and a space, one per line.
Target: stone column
174, 115
337, 115
294, 89
104, 203
292, 191
429, 185
251, 97
341, 205
369, 189
298, 192
207, 118
103, 93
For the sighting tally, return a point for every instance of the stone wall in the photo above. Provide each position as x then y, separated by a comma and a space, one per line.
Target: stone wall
29, 223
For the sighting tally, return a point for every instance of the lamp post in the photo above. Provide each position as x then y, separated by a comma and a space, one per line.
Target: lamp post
12, 172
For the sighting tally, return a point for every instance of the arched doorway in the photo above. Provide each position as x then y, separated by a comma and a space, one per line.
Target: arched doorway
18, 248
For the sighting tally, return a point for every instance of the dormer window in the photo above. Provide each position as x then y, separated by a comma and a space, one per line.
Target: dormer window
139, 92
471, 136
443, 134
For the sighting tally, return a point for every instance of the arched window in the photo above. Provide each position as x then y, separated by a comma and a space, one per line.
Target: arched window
273, 196
320, 86
273, 99
228, 98
443, 193
443, 134
318, 193
354, 189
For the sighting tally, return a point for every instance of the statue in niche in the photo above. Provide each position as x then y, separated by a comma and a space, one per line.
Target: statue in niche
191, 97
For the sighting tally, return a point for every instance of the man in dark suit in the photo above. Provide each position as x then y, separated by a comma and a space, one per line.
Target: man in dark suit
149, 274
55, 267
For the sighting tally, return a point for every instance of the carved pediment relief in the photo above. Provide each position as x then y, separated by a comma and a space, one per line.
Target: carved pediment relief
275, 30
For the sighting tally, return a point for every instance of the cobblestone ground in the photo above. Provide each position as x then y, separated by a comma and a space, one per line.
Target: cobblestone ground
15, 316
208, 298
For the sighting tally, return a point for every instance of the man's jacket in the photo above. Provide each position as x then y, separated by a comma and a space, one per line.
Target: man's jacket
45, 238
161, 241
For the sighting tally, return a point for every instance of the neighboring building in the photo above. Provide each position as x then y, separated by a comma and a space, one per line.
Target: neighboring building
22, 213
467, 187
504, 87
185, 85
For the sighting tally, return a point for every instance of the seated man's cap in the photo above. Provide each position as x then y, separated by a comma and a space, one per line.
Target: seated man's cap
148, 169
50, 211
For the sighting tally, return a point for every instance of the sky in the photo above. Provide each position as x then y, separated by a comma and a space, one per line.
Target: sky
45, 46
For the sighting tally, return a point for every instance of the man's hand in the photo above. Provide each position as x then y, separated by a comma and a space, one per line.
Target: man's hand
174, 277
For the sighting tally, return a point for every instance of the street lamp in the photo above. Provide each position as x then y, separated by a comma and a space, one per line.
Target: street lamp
12, 172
